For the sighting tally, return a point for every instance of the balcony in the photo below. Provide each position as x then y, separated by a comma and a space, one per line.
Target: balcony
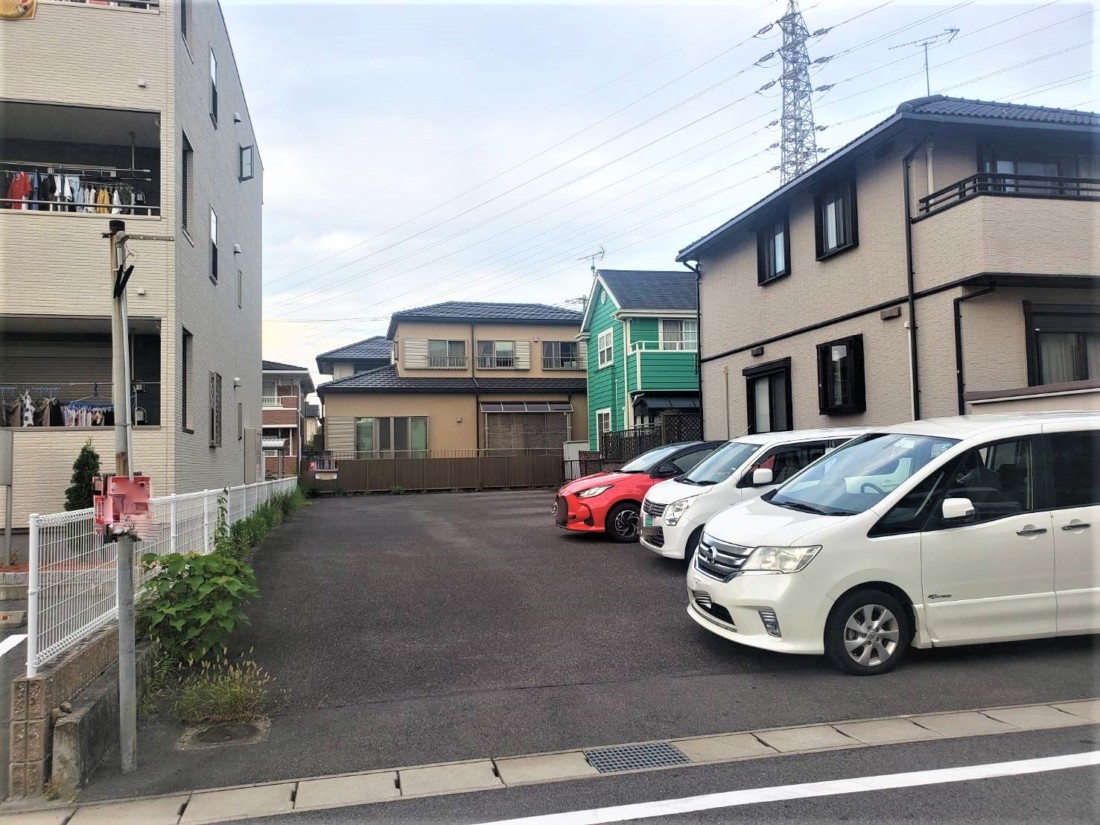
280, 402
665, 346
1011, 186
136, 5
562, 363
496, 362
447, 362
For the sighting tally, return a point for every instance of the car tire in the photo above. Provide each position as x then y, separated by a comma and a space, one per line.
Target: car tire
868, 633
622, 522
692, 545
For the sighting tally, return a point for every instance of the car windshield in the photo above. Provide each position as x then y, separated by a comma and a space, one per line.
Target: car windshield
721, 464
647, 461
860, 474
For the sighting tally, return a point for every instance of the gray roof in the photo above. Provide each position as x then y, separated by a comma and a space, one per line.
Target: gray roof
928, 110
647, 290
386, 380
487, 313
377, 346
276, 366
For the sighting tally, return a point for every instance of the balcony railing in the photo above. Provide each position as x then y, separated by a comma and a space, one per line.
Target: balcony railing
562, 364
145, 5
496, 362
447, 362
665, 346
1012, 186
280, 402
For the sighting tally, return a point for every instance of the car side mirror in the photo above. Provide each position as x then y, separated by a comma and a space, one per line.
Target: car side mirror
666, 471
762, 476
957, 509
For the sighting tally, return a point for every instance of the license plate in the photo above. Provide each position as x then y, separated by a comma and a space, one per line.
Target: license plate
647, 532
647, 520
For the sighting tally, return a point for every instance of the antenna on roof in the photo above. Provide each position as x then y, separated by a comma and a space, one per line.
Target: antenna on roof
949, 34
595, 256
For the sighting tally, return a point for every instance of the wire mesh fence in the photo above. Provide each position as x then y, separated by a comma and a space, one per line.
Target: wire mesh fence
72, 582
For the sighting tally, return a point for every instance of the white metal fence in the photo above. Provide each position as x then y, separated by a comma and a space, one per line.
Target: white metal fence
71, 589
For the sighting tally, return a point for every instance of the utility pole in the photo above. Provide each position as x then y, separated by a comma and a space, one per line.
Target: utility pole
798, 144
947, 35
124, 544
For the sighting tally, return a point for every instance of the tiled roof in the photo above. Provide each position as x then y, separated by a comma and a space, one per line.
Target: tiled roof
986, 110
648, 290
275, 366
386, 380
937, 108
377, 346
487, 313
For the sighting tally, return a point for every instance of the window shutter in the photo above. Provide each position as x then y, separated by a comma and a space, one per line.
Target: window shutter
416, 353
523, 355
340, 433
582, 354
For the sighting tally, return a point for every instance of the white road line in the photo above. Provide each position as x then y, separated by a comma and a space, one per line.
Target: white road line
863, 784
11, 643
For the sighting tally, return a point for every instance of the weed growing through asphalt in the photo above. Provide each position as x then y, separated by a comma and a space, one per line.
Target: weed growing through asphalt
223, 690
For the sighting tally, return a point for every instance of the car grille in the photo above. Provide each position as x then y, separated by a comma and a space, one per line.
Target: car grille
720, 560
654, 535
561, 511
704, 604
653, 508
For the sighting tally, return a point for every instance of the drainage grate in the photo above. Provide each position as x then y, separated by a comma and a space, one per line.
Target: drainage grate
635, 757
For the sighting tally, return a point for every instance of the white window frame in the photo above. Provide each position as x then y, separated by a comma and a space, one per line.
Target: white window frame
451, 359
677, 346
606, 411
494, 360
605, 341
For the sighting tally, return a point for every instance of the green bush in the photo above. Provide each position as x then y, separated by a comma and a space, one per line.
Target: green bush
86, 467
223, 691
195, 602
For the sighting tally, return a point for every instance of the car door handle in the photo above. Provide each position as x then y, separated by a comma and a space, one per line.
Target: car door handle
1031, 531
1076, 525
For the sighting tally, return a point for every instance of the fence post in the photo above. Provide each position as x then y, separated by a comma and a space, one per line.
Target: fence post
172, 531
32, 599
205, 521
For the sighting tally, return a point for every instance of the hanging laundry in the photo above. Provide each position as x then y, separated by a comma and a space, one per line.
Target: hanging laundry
103, 200
18, 190
116, 203
34, 190
28, 409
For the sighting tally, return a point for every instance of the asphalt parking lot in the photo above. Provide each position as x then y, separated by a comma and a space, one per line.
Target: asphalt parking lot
413, 629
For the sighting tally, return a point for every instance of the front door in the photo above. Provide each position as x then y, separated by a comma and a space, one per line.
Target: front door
991, 579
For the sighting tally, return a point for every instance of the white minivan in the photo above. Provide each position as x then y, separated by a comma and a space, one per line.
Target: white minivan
940, 532
674, 511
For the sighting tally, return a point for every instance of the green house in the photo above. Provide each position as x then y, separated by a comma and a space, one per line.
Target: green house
642, 330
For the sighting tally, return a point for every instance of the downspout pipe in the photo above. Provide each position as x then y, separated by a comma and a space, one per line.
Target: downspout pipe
960, 382
910, 278
698, 270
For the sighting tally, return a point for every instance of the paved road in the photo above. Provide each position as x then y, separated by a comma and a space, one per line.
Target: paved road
418, 629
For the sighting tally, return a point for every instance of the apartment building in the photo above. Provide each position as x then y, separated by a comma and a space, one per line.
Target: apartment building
288, 419
465, 377
128, 111
642, 369
944, 262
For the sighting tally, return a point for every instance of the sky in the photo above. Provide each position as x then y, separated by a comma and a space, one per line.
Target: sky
416, 153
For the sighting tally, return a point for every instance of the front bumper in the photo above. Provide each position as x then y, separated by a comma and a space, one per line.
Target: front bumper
571, 513
734, 610
670, 542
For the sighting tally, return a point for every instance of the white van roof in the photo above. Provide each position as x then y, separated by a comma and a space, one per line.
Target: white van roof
967, 426
802, 435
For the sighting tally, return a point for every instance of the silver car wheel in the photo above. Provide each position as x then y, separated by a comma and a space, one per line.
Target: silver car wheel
871, 635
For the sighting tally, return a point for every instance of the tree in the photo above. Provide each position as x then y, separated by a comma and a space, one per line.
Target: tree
85, 469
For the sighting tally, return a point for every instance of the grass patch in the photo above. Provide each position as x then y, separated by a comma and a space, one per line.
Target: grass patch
223, 691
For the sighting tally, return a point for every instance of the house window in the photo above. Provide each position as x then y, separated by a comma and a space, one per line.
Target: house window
561, 355
213, 245
446, 355
1063, 343
773, 251
679, 335
396, 437
215, 410
840, 385
605, 348
214, 88
185, 12
240, 289
499, 355
246, 170
187, 354
835, 219
768, 390
187, 172
603, 425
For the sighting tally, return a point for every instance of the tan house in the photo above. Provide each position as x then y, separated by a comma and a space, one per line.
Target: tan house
944, 262
466, 378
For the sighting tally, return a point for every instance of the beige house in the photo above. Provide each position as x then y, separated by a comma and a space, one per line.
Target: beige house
465, 378
945, 262
157, 121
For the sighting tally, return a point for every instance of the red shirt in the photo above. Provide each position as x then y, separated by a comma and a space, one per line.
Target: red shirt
19, 189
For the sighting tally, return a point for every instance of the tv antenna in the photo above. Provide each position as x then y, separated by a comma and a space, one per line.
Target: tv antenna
946, 36
595, 256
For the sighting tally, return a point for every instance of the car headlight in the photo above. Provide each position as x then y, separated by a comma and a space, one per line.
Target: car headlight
594, 491
675, 511
780, 559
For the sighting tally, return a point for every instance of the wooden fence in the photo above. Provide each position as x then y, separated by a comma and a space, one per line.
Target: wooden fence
374, 475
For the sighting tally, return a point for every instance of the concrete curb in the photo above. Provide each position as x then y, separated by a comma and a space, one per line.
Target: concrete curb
496, 773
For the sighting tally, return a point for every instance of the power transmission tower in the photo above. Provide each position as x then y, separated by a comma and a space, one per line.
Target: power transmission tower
798, 145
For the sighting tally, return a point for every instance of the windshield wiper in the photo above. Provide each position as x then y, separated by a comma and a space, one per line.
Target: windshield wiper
706, 483
798, 505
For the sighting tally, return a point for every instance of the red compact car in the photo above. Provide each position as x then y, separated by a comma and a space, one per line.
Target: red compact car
610, 502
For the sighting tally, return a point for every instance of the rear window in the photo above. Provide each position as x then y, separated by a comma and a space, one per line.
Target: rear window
1075, 468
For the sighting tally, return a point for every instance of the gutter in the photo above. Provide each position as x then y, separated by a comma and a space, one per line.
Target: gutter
698, 270
960, 383
910, 279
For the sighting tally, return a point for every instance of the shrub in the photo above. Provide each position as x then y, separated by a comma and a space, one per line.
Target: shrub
223, 691
397, 490
86, 467
195, 602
